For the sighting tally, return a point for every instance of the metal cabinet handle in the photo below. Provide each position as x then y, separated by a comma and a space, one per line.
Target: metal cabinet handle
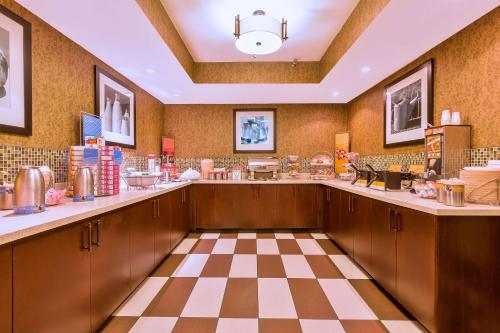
158, 208
154, 209
391, 214
353, 200
87, 241
398, 220
97, 241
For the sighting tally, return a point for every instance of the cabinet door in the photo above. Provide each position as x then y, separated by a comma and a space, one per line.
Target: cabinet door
383, 267
176, 217
345, 235
142, 240
226, 216
204, 210
362, 233
285, 206
266, 206
110, 266
186, 212
164, 226
334, 212
306, 208
6, 288
416, 264
52, 282
246, 208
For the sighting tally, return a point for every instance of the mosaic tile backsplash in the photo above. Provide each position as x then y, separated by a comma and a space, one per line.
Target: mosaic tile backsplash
13, 157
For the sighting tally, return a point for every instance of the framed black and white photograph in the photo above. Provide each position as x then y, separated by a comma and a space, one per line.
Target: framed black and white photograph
115, 104
254, 131
408, 107
15, 73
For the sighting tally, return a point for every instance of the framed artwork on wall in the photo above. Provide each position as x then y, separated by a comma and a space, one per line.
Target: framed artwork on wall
254, 131
115, 104
408, 107
15, 73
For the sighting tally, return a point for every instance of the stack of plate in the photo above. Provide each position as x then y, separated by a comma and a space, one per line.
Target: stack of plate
482, 184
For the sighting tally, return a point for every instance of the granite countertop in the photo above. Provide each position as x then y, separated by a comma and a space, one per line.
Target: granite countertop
15, 227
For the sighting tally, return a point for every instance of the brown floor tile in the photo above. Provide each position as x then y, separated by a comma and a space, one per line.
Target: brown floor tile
302, 235
310, 300
228, 235
169, 265
218, 265
363, 326
270, 266
204, 246
323, 267
381, 305
246, 246
194, 235
266, 235
119, 325
240, 299
329, 246
172, 298
195, 325
279, 326
288, 246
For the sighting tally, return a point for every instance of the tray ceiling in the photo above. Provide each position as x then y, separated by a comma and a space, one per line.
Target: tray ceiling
207, 26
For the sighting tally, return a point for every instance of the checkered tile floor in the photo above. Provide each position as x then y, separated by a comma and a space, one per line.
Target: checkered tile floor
259, 282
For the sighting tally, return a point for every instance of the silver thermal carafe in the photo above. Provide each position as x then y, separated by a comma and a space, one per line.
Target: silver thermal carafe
29, 191
83, 187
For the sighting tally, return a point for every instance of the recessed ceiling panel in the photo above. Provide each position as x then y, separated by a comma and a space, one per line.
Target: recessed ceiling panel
207, 26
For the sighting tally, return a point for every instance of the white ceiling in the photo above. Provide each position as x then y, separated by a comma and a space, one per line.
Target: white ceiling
404, 30
207, 26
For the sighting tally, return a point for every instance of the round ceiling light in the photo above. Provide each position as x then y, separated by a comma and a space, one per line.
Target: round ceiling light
259, 34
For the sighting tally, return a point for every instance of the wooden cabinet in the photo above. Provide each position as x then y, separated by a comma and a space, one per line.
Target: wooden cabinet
203, 202
285, 206
331, 211
142, 240
110, 265
416, 263
306, 206
6, 288
267, 209
362, 233
344, 236
52, 281
179, 215
383, 267
162, 221
244, 213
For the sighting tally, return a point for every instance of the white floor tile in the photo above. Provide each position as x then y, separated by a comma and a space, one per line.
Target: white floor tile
345, 300
233, 325
275, 299
185, 246
140, 300
317, 235
244, 266
267, 246
206, 298
224, 246
347, 267
191, 266
247, 235
321, 326
310, 247
210, 235
296, 266
403, 326
284, 235
154, 325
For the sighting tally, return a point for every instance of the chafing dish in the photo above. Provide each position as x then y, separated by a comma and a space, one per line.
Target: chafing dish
263, 168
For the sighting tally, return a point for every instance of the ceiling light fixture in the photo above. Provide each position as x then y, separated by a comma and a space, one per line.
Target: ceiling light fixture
150, 71
259, 34
365, 69
335, 93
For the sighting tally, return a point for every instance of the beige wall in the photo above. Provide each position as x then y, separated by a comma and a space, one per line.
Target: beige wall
63, 85
466, 79
207, 130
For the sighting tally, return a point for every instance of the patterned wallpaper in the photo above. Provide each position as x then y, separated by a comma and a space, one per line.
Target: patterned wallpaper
207, 130
63, 85
466, 79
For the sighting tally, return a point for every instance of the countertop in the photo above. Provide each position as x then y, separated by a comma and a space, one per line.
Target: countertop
15, 227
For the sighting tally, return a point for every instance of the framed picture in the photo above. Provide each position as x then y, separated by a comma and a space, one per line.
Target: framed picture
115, 104
408, 107
15, 73
254, 131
